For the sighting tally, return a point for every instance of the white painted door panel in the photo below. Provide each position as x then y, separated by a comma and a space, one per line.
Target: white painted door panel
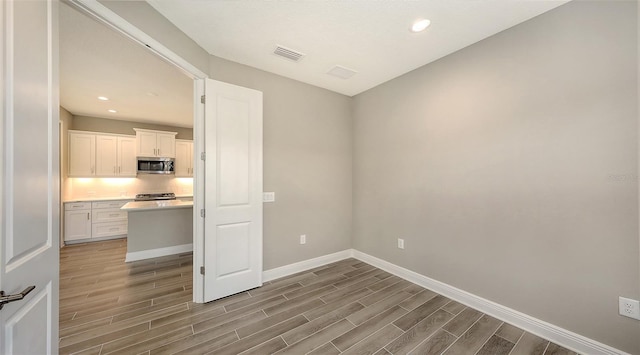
106, 155
77, 224
82, 154
29, 237
166, 145
184, 158
146, 144
233, 190
127, 156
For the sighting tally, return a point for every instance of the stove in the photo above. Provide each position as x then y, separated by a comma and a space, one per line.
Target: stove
155, 197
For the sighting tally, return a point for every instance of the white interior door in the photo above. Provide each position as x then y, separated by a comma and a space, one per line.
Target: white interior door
233, 189
29, 179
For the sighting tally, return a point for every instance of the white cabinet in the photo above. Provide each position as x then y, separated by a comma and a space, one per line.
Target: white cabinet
155, 143
77, 221
106, 155
184, 158
92, 154
127, 156
84, 221
115, 156
82, 154
166, 145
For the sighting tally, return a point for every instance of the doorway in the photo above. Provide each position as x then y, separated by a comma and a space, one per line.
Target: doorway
147, 92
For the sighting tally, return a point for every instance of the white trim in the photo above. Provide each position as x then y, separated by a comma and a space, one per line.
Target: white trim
560, 336
290, 269
154, 253
198, 190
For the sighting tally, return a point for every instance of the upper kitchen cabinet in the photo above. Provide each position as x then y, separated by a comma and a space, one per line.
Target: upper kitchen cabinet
82, 154
115, 156
95, 154
155, 143
184, 158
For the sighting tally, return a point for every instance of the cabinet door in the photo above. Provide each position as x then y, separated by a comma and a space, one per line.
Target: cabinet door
183, 158
82, 154
106, 155
146, 144
77, 225
127, 156
166, 145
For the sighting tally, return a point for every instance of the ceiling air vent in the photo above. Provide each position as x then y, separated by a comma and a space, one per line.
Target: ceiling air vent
342, 72
288, 53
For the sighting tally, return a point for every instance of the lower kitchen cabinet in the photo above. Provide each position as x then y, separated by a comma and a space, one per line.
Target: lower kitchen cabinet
93, 220
77, 224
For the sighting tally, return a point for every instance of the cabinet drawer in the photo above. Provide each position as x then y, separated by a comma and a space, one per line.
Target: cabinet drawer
108, 204
108, 215
108, 229
71, 206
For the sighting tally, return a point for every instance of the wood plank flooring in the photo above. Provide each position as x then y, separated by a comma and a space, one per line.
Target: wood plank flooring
108, 306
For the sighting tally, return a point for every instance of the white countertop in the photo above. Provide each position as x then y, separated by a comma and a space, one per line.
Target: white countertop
120, 198
155, 205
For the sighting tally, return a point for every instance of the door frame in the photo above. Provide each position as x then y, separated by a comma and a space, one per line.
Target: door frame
119, 24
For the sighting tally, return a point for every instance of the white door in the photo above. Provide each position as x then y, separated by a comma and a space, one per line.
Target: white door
106, 157
29, 212
82, 154
127, 156
233, 189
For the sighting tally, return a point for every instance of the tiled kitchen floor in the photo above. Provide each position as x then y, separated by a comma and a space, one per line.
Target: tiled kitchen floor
107, 306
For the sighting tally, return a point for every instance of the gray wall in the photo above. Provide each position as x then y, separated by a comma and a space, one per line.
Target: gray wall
307, 163
510, 169
96, 124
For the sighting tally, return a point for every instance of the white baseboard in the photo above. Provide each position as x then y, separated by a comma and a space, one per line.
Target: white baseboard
560, 336
154, 253
290, 269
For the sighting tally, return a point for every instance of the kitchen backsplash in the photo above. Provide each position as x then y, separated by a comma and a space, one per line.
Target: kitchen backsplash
76, 188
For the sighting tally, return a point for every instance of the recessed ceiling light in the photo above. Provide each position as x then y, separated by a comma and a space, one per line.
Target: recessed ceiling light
420, 25
112, 111
103, 98
151, 94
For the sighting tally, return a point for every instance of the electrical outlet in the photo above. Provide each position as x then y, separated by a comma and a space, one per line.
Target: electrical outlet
629, 308
268, 196
400, 243
303, 239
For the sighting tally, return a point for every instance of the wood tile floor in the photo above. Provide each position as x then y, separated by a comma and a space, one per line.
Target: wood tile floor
348, 307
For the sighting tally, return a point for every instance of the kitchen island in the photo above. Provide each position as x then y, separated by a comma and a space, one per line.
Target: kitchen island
158, 228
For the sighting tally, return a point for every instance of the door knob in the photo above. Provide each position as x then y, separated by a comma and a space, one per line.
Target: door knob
4, 299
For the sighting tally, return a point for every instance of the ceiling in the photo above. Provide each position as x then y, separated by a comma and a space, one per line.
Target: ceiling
97, 61
371, 37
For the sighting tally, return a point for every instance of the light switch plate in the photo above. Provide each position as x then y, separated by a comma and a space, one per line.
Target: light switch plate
268, 196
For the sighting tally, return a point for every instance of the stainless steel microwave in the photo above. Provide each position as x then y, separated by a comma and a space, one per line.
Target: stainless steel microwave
152, 165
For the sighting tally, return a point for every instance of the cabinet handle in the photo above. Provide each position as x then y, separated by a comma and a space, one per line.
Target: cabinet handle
92, 168
114, 215
87, 216
158, 151
114, 229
